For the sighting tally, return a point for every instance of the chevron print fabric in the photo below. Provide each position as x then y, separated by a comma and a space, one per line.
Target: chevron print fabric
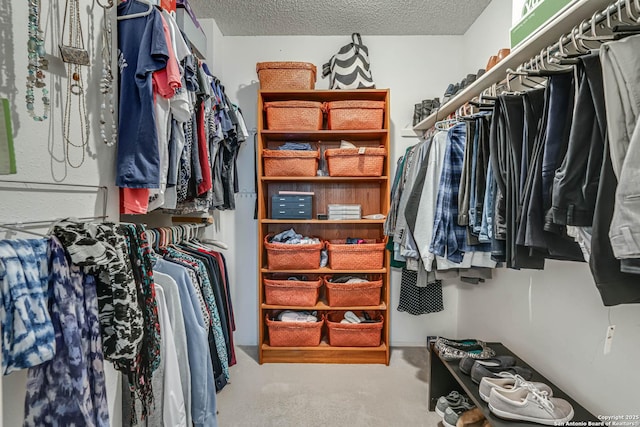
350, 67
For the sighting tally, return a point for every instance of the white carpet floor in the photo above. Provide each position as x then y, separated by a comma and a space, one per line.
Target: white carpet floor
310, 395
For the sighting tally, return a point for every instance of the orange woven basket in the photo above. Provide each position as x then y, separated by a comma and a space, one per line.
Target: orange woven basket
299, 293
294, 115
363, 161
354, 334
290, 162
365, 256
286, 75
354, 115
281, 256
294, 334
353, 294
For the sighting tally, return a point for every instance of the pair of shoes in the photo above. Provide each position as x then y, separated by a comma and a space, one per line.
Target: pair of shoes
481, 370
494, 59
466, 364
508, 382
530, 403
458, 349
450, 407
422, 110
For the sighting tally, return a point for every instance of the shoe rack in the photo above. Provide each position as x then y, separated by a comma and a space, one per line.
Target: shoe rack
445, 376
372, 193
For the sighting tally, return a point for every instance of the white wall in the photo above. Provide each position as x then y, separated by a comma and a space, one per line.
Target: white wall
488, 33
414, 68
555, 320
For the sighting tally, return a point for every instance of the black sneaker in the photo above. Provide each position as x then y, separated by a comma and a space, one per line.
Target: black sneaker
417, 114
467, 363
479, 371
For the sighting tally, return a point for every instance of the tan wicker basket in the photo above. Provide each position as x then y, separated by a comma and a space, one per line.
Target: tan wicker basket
294, 115
299, 293
290, 162
281, 256
286, 75
365, 256
363, 161
353, 294
354, 334
354, 115
294, 334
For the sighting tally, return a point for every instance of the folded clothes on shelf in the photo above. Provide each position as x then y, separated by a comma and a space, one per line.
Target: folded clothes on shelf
290, 237
298, 316
348, 279
297, 146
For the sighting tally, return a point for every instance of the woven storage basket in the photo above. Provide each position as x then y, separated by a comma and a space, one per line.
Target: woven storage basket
286, 75
353, 115
355, 161
290, 162
299, 293
294, 334
353, 294
365, 256
294, 115
281, 256
354, 334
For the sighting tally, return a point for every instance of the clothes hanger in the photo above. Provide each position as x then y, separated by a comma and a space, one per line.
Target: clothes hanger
594, 34
138, 15
19, 229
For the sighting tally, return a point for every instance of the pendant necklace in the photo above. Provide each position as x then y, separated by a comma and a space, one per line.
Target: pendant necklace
106, 82
75, 56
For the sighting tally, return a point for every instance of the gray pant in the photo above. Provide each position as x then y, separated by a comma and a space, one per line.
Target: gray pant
621, 73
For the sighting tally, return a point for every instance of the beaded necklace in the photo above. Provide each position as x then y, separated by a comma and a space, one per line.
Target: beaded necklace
37, 64
106, 82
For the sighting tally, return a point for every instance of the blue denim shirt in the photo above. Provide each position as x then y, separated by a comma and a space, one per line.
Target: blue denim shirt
203, 389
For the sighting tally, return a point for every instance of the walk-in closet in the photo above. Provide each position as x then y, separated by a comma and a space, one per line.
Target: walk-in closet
319, 213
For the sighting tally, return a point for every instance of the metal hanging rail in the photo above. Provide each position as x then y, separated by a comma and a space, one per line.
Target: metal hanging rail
576, 18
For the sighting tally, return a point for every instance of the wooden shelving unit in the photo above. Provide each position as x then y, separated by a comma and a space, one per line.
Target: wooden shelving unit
372, 193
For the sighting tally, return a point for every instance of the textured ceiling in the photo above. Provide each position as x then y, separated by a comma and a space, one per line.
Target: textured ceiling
339, 17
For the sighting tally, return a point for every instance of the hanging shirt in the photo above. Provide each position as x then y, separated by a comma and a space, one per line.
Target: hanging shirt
142, 49
70, 390
203, 397
27, 332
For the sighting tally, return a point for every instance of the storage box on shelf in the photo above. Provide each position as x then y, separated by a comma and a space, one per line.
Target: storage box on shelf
354, 334
364, 161
286, 75
356, 114
365, 256
360, 186
290, 162
294, 293
294, 334
292, 115
352, 294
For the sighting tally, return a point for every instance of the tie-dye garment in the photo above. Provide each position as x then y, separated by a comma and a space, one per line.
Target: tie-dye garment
70, 390
27, 333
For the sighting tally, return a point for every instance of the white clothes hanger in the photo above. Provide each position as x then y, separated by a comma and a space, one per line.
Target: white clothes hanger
138, 15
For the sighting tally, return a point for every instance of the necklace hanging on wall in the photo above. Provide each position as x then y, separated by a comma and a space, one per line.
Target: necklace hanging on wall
106, 81
37, 64
75, 55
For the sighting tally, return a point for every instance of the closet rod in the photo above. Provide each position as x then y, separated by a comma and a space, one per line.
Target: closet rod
50, 221
574, 16
78, 189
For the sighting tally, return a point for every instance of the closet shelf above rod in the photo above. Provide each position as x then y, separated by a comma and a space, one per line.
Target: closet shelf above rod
549, 35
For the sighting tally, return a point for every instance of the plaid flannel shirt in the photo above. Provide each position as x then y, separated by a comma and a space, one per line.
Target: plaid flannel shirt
450, 239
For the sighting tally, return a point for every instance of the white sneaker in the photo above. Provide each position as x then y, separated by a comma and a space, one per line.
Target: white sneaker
529, 404
508, 382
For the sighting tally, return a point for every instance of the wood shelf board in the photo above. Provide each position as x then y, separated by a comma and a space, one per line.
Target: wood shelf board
324, 178
325, 271
547, 35
322, 305
326, 135
322, 221
324, 95
324, 345
471, 389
